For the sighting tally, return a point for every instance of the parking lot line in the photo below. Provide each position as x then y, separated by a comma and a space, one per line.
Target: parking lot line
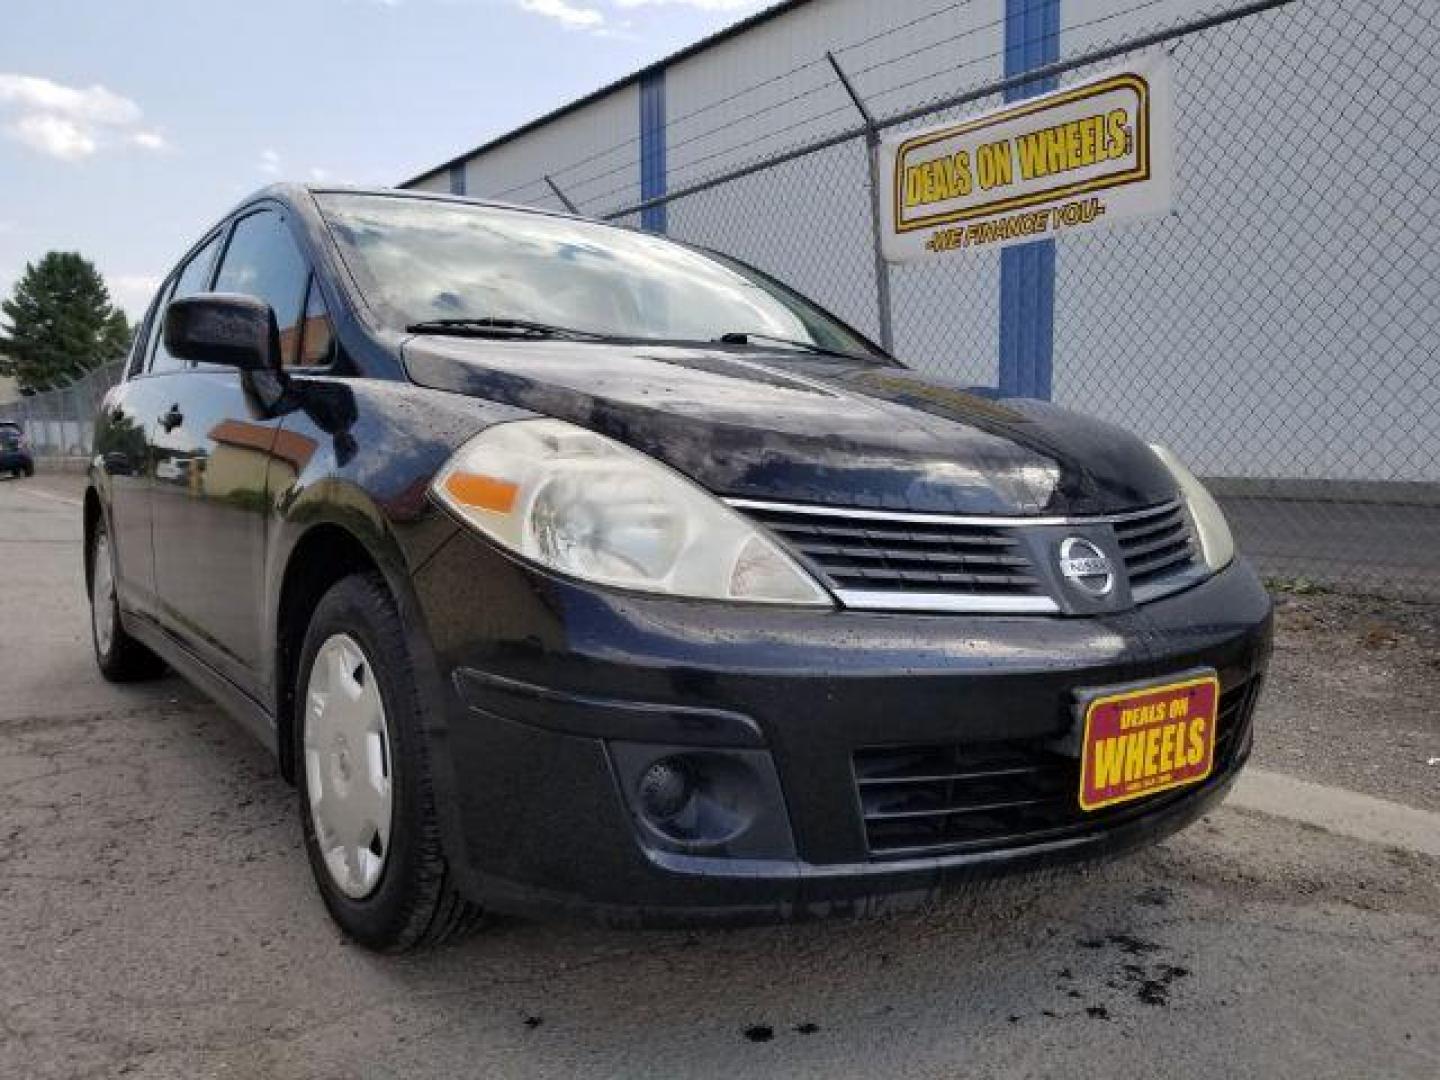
66, 499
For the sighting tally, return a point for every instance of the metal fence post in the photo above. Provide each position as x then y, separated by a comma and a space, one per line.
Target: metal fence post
564, 199
872, 157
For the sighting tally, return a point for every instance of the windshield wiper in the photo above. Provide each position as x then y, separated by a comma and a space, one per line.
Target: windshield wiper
749, 337
497, 327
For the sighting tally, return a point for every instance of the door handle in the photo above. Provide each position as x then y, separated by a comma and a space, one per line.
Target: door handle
172, 418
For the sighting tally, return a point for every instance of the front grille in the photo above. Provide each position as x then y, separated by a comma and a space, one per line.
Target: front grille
881, 554
927, 800
1155, 544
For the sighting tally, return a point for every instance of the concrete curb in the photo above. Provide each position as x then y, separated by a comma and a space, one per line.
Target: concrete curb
1345, 813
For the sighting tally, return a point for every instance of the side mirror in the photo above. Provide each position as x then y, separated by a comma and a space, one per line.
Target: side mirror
223, 328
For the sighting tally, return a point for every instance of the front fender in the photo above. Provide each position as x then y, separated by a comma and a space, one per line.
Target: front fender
358, 455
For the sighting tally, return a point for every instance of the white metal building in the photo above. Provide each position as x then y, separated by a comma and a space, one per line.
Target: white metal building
1280, 323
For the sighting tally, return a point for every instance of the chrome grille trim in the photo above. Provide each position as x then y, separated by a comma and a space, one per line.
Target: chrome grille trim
958, 603
920, 518
1154, 590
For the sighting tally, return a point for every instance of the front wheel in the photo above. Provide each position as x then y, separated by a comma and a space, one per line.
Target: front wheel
120, 657
367, 804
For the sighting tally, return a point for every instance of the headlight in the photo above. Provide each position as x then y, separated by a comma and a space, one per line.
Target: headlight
1216, 544
590, 507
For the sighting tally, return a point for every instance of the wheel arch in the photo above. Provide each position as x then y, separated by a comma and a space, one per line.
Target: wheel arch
326, 553
91, 516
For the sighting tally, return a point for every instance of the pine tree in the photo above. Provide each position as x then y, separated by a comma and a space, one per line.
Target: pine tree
59, 323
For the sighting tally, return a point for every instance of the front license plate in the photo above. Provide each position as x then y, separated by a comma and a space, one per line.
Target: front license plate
1143, 740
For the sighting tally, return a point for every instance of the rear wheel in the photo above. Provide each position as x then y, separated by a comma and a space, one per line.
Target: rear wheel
121, 658
367, 804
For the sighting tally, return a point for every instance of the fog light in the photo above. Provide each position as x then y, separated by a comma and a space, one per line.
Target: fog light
665, 789
704, 800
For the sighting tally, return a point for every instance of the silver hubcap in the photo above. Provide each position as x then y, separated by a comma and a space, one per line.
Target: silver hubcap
347, 765
102, 596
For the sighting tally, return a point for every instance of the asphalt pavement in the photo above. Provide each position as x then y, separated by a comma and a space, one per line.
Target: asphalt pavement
157, 919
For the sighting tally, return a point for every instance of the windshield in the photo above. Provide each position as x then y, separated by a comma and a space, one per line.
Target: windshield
421, 261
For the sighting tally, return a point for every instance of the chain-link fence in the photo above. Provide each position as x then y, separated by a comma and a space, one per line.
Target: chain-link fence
1279, 329
60, 423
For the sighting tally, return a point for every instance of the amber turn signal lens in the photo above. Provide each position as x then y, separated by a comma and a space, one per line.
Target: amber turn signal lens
482, 492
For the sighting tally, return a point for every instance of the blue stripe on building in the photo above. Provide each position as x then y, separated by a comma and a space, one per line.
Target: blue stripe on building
457, 179
1027, 271
652, 148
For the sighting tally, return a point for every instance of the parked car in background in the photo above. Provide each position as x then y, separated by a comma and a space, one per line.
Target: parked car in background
15, 456
568, 568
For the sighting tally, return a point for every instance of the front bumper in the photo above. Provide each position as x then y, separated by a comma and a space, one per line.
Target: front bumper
10, 460
547, 680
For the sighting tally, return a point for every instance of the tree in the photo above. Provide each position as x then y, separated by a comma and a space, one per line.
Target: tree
59, 323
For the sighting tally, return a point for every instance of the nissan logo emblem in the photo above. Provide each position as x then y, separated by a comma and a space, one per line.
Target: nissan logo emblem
1086, 567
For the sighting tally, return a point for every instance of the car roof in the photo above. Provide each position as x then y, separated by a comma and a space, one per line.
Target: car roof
297, 194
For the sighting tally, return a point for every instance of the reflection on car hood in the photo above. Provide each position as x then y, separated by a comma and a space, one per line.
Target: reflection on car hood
794, 427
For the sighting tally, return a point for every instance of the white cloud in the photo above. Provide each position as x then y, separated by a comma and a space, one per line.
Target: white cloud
318, 174
57, 136
570, 16
149, 140
95, 104
703, 5
576, 15
68, 122
269, 162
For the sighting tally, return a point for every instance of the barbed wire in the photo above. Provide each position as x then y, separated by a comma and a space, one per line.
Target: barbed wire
573, 186
828, 84
675, 122
681, 172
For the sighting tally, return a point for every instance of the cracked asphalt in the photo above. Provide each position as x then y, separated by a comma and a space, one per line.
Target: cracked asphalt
157, 920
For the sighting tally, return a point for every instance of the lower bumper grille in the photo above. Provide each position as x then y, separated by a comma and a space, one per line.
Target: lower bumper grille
928, 800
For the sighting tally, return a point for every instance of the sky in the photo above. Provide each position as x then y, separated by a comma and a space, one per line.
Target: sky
128, 126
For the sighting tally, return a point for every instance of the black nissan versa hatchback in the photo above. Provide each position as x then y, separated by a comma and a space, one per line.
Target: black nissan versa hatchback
568, 568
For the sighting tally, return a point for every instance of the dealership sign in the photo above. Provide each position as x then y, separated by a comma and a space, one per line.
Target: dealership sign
1083, 157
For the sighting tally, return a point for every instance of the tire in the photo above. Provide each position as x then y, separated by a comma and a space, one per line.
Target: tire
120, 657
29, 470
373, 795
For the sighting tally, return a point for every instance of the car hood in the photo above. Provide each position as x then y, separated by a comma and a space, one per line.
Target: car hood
786, 426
